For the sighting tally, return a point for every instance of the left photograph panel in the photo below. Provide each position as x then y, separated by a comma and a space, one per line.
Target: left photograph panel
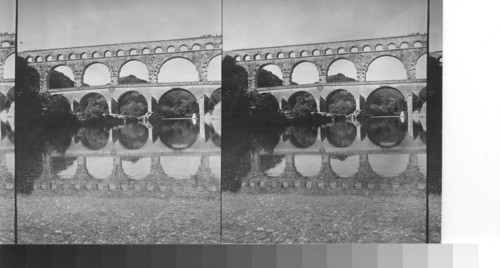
118, 121
7, 75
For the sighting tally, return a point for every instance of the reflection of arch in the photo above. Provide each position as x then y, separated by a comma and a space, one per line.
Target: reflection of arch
133, 136
388, 165
340, 101
308, 165
421, 67
386, 68
178, 134
94, 138
99, 167
386, 132
132, 103
303, 137
96, 74
55, 80
292, 100
9, 71
135, 68
136, 168
305, 73
178, 69
214, 69
69, 167
345, 167
341, 134
180, 167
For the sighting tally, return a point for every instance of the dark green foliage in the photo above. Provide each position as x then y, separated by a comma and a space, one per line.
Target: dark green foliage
214, 99
338, 78
263, 103
386, 101
266, 78
133, 104
235, 101
59, 80
131, 79
177, 103
94, 107
302, 105
342, 102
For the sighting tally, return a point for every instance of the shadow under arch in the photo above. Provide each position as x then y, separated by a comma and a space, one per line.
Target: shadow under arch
304, 72
386, 132
132, 136
341, 134
386, 67
269, 75
178, 134
98, 101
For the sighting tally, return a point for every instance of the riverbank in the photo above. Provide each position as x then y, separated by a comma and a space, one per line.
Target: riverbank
6, 218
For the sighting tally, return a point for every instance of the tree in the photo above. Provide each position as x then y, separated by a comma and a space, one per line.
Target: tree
235, 102
131, 79
303, 105
59, 80
342, 102
266, 78
133, 104
338, 78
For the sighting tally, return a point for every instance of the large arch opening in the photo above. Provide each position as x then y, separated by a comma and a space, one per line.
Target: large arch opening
178, 134
386, 68
177, 103
341, 70
93, 106
133, 72
386, 132
178, 70
9, 68
132, 103
301, 104
305, 73
341, 134
386, 101
136, 168
133, 136
94, 138
3, 102
269, 76
214, 69
61, 77
340, 102
421, 67
97, 74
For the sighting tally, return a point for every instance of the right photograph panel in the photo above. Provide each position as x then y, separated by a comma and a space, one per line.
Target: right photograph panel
324, 117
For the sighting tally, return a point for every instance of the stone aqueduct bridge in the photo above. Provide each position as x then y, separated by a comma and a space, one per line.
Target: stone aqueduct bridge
200, 51
7, 49
408, 49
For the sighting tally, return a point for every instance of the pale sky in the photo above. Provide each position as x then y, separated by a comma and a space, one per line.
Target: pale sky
67, 23
261, 23
7, 16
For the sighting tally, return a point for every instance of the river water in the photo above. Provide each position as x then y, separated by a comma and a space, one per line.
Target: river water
133, 183
344, 182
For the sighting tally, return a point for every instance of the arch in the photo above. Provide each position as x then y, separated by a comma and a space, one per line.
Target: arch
209, 46
60, 76
291, 54
96, 74
132, 103
386, 68
341, 50
328, 51
9, 68
367, 48
120, 53
269, 75
3, 102
107, 54
180, 167
93, 104
178, 70
237, 58
303, 136
196, 47
246, 58
391, 46
308, 165
280, 55
132, 52
340, 102
316, 52
354, 49
305, 73
48, 58
146, 51
178, 134
386, 132
404, 45
303, 53
136, 168
38, 59
171, 49
133, 72
385, 101
95, 55
256, 57
421, 67
388, 165
94, 138
341, 134
65, 167
417, 44
99, 167
177, 103
269, 56
183, 48
6, 44
345, 166
60, 57
132, 136
379, 47
83, 55
341, 70
303, 97
158, 50
214, 69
